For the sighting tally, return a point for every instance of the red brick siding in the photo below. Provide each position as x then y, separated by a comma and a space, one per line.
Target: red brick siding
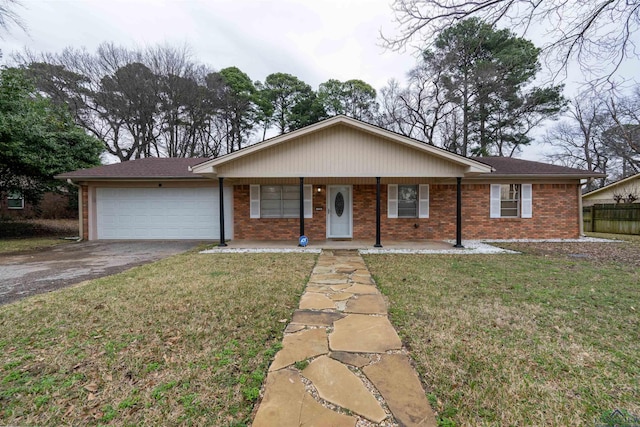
245, 227
555, 215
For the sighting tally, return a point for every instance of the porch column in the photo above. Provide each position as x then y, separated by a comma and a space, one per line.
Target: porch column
458, 213
221, 193
377, 245
301, 207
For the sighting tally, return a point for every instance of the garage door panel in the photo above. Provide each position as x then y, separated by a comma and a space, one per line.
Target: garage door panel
160, 213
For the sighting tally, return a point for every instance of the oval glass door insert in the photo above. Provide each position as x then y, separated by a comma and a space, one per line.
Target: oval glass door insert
339, 204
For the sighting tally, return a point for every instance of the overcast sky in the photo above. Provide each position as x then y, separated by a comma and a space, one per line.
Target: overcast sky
315, 40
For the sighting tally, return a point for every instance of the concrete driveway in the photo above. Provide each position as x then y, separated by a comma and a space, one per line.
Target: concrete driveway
30, 273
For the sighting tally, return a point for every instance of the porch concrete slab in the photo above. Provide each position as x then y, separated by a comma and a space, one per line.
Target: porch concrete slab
397, 381
315, 301
352, 359
366, 304
359, 288
329, 245
300, 346
286, 403
337, 384
359, 333
315, 318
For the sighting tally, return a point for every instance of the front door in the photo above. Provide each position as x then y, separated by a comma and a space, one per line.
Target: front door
339, 211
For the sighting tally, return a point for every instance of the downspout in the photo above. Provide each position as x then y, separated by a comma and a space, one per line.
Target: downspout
80, 216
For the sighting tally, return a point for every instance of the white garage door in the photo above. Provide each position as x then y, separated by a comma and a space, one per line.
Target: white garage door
161, 213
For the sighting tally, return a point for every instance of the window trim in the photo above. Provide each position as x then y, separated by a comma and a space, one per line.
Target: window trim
255, 198
422, 202
525, 201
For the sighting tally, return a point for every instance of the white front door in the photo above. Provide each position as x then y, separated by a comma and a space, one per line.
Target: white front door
339, 211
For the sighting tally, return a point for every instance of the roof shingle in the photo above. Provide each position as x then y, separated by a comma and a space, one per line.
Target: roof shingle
150, 167
513, 166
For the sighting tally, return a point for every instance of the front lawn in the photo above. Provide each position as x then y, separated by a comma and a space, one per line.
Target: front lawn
531, 339
21, 245
186, 340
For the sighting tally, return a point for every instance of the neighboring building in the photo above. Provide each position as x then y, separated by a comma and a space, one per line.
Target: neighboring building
51, 206
338, 171
626, 190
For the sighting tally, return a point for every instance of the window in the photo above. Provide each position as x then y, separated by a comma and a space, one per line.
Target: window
408, 201
511, 201
279, 201
15, 200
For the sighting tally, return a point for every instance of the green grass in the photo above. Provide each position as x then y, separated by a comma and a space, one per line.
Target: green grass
518, 339
21, 245
186, 340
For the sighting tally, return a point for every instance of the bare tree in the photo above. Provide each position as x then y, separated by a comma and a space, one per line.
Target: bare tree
629, 193
578, 140
598, 34
623, 137
9, 16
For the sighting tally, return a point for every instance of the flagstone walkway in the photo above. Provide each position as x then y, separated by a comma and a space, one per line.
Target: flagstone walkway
342, 362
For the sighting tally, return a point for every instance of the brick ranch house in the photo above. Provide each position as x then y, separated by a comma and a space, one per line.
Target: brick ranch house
337, 179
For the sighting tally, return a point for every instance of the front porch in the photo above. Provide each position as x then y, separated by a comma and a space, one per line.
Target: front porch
363, 246
340, 244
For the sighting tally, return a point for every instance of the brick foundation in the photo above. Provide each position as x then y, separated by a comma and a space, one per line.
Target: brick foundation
555, 215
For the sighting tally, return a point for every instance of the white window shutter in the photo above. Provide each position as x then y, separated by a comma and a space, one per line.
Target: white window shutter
527, 201
254, 201
308, 201
495, 200
423, 201
392, 201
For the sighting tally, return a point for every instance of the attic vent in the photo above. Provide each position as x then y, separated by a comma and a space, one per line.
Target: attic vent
339, 204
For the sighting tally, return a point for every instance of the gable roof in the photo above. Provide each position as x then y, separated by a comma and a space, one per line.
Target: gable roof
369, 139
147, 168
513, 167
612, 185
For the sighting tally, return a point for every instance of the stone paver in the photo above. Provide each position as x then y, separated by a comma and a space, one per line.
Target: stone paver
366, 304
287, 404
359, 288
315, 301
337, 384
315, 318
359, 333
300, 346
402, 391
342, 329
352, 359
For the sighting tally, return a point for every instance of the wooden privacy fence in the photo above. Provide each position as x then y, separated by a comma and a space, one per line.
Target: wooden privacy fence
613, 218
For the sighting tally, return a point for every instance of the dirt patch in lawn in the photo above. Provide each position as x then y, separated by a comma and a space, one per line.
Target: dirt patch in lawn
623, 252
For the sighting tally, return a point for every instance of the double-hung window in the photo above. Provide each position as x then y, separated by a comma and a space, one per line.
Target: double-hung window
279, 201
511, 201
407, 201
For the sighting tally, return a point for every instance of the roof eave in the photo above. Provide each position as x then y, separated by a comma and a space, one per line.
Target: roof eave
533, 176
137, 178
